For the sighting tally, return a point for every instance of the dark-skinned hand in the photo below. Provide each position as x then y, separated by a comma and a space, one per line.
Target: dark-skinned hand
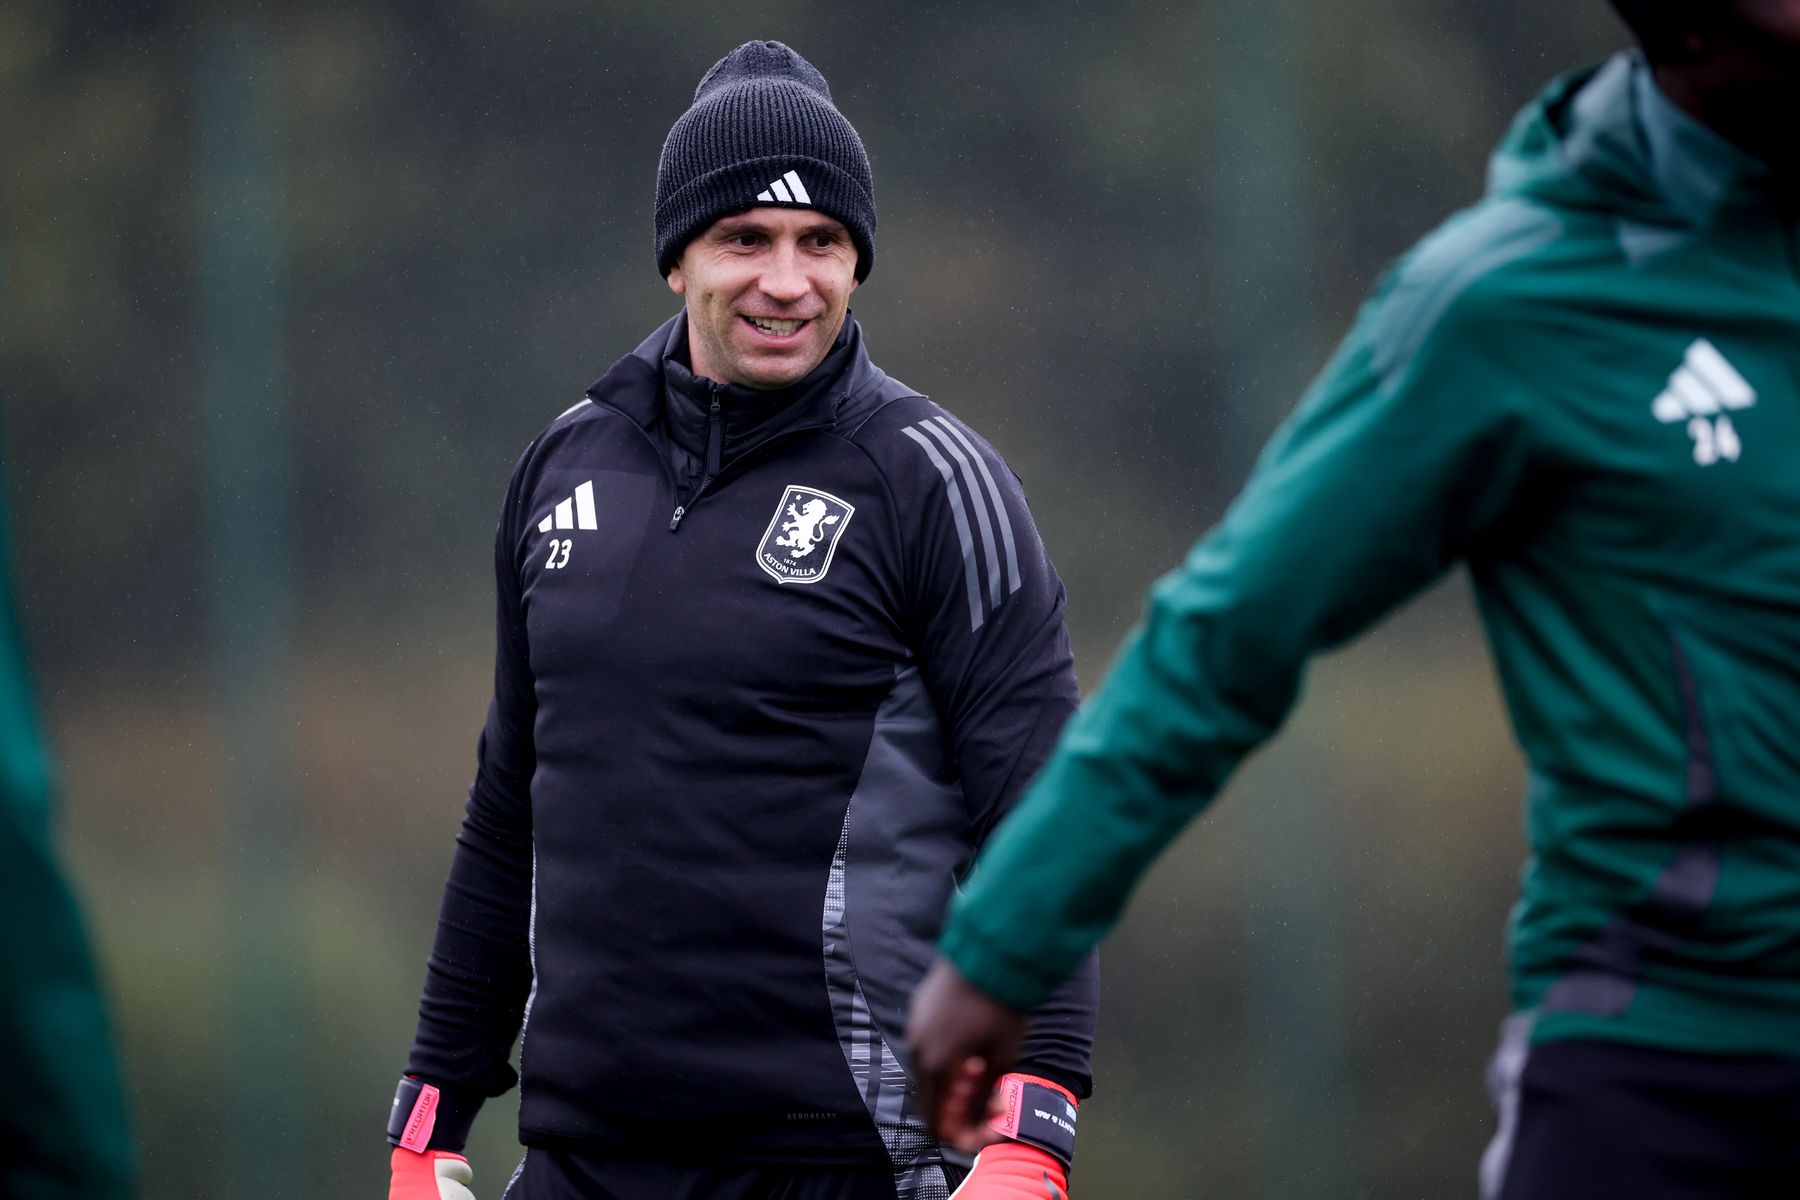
961, 1040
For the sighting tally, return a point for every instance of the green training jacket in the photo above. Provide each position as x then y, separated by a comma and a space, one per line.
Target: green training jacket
1587, 389
63, 1133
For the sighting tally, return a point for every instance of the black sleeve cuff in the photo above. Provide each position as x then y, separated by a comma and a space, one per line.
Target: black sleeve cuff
1080, 1086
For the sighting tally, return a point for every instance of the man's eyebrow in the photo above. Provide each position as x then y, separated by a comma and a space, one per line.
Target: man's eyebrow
739, 224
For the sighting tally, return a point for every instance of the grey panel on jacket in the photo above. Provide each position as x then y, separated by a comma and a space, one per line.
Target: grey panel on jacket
908, 838
905, 834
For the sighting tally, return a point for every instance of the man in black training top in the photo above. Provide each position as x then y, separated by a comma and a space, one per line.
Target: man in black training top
778, 646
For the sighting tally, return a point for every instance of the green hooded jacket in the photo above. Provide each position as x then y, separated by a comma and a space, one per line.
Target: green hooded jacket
63, 1131
1587, 389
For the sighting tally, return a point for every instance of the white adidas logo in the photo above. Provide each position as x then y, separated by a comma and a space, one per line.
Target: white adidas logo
1703, 391
577, 512
787, 189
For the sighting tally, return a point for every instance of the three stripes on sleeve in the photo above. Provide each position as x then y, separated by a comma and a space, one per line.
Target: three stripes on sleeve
983, 525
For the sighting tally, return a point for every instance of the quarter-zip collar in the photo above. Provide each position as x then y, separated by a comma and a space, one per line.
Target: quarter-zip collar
634, 387
711, 423
654, 388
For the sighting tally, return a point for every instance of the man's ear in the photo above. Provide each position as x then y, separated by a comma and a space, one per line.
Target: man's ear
677, 281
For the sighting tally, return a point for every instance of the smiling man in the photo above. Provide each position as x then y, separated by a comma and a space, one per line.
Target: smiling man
767, 293
778, 646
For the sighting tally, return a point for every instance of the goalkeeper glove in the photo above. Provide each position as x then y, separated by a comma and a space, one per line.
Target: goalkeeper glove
1036, 1120
432, 1175
417, 1172
1014, 1171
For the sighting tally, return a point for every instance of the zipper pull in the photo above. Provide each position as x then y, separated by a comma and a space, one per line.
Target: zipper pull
674, 521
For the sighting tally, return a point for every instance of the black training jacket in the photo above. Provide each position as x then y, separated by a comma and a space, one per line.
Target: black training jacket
770, 668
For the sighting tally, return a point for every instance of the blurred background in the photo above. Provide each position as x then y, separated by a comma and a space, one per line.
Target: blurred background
285, 289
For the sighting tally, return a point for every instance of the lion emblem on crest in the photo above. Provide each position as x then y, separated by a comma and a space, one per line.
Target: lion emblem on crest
802, 535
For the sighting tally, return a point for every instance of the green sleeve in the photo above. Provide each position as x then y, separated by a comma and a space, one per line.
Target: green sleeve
63, 1133
1407, 449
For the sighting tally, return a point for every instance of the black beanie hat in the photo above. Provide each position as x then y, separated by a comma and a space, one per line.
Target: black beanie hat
762, 130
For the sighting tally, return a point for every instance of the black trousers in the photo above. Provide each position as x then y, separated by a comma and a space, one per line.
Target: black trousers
548, 1175
1600, 1120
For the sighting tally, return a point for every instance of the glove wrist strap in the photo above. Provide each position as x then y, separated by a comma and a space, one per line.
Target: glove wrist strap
1038, 1113
413, 1115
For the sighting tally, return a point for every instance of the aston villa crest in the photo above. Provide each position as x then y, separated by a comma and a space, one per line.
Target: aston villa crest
803, 535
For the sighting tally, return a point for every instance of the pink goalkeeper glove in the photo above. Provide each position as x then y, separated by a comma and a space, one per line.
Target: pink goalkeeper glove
433, 1175
1035, 1119
415, 1170
1014, 1171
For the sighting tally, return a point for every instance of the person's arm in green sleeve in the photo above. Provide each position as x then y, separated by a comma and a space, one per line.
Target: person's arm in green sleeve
63, 1128
63, 1131
1407, 450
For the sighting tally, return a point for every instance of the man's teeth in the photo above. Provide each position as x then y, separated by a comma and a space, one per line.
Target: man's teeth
775, 325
